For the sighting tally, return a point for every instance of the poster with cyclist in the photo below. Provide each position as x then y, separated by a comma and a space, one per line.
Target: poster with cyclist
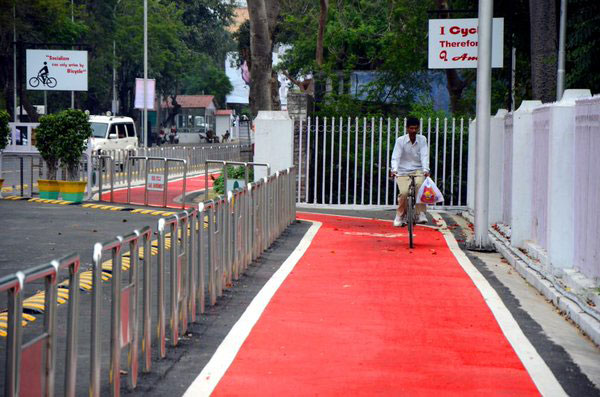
57, 70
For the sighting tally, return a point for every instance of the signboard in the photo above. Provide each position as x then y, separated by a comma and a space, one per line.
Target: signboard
57, 70
139, 93
453, 43
156, 182
233, 184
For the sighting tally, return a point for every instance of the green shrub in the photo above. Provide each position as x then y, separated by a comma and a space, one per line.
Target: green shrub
4, 129
62, 137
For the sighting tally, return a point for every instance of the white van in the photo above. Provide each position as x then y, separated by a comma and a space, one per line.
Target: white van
113, 133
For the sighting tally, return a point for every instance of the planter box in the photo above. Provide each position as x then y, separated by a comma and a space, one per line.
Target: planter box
48, 189
72, 190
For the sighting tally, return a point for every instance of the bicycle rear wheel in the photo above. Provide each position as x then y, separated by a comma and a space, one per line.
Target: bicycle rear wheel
410, 215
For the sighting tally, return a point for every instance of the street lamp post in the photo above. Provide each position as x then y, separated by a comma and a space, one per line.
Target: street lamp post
115, 107
145, 71
560, 77
481, 241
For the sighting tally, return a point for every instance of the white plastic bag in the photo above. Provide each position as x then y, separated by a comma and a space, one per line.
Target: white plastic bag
429, 193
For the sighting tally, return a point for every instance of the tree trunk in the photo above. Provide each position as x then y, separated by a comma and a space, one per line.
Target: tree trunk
260, 47
73, 172
324, 6
542, 18
273, 9
52, 170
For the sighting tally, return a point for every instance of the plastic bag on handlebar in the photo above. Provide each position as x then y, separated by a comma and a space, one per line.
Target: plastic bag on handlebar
429, 193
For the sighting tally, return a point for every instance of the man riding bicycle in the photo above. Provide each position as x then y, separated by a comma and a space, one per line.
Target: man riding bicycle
410, 156
43, 73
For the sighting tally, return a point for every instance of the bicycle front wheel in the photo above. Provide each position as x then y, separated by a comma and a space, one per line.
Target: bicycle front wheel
410, 215
51, 82
34, 82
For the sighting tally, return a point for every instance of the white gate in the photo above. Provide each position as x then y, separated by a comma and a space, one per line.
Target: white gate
345, 162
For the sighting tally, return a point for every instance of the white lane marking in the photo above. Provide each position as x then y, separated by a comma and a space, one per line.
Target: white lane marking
541, 375
214, 370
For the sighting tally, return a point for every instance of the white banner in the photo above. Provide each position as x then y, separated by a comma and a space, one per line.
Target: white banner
139, 93
57, 70
453, 43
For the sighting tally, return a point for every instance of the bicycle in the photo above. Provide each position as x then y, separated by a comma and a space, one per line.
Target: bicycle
411, 201
36, 80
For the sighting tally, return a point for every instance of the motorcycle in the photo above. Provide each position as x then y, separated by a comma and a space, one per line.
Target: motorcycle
173, 137
161, 137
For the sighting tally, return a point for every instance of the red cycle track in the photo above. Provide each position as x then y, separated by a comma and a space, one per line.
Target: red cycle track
155, 198
361, 314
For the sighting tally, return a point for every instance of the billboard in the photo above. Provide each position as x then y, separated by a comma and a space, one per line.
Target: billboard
57, 70
453, 43
139, 93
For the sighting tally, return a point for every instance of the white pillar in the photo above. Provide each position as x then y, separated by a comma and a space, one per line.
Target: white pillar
273, 142
562, 180
496, 166
522, 173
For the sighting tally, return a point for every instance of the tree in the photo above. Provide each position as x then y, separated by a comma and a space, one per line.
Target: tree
583, 45
203, 77
382, 37
62, 137
4, 129
543, 49
36, 21
263, 18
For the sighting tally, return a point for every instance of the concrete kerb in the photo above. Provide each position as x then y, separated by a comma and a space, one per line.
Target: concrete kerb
525, 267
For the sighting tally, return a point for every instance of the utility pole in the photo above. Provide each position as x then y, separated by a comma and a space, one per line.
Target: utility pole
145, 72
560, 76
481, 241
72, 92
115, 106
16, 118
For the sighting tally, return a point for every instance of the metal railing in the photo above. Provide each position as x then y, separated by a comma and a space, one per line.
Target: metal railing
21, 170
38, 356
164, 183
345, 162
202, 250
224, 172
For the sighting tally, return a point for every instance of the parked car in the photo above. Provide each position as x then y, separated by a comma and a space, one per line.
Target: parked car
113, 133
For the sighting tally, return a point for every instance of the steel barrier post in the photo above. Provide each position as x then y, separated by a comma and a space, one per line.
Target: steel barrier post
95, 364
14, 285
212, 284
166, 181
115, 321
160, 333
201, 259
72, 321
147, 331
174, 290
193, 268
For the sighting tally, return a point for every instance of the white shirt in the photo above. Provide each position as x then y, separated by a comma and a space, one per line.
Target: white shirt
409, 157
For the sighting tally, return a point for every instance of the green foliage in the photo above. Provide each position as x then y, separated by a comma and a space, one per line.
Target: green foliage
382, 36
583, 45
232, 173
423, 109
62, 137
4, 129
205, 77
